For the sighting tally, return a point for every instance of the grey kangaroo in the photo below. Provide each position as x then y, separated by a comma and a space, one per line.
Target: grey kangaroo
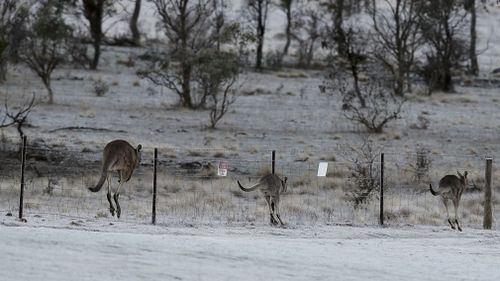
271, 187
451, 188
123, 158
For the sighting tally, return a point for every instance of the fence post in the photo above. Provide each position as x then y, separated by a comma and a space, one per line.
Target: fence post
23, 165
153, 221
382, 189
273, 160
488, 218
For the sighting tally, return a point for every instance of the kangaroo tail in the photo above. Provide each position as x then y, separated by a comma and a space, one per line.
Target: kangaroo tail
251, 188
435, 193
100, 183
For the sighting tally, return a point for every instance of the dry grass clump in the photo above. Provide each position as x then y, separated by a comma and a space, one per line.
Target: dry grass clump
219, 154
197, 152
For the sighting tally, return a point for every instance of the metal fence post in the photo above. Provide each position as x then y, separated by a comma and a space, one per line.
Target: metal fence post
154, 186
382, 189
488, 213
23, 166
273, 160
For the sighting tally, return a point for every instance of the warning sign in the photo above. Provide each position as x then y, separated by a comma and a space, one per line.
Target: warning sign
222, 171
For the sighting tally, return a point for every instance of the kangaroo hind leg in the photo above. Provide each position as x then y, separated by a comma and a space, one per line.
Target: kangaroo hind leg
273, 221
277, 210
445, 202
108, 195
117, 194
455, 204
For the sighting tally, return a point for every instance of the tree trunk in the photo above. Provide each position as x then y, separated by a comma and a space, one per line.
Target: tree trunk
136, 36
261, 30
288, 31
93, 11
260, 41
340, 37
46, 83
97, 53
186, 87
474, 66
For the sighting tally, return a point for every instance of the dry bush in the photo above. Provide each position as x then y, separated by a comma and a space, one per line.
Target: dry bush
365, 175
100, 87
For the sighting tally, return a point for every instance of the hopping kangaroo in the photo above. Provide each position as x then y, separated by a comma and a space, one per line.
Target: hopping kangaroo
451, 188
123, 158
272, 187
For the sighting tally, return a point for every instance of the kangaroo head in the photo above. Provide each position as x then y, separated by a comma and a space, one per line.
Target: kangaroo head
463, 178
283, 183
138, 153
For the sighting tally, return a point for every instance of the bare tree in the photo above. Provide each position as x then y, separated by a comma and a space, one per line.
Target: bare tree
189, 28
13, 14
16, 115
367, 97
442, 23
45, 46
136, 35
381, 106
398, 38
257, 14
94, 11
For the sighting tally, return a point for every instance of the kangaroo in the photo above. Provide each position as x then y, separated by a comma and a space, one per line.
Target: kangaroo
119, 156
451, 188
271, 187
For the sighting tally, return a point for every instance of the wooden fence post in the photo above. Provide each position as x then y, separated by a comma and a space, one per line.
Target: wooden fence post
382, 189
154, 186
23, 165
273, 160
488, 214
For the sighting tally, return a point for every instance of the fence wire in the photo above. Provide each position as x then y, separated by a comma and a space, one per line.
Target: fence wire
190, 191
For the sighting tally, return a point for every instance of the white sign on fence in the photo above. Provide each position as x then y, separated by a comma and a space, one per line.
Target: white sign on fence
323, 167
222, 171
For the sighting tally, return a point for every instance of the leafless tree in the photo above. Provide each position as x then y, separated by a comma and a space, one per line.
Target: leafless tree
16, 115
381, 106
398, 38
257, 11
45, 46
365, 89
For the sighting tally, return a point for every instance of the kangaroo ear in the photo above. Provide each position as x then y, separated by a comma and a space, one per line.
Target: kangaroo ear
139, 148
460, 175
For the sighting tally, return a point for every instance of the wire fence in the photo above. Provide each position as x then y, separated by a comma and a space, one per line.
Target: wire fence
190, 190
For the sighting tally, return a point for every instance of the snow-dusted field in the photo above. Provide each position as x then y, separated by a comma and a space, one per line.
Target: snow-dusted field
248, 253
209, 230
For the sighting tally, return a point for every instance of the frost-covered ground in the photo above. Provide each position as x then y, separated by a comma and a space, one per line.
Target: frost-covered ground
70, 235
124, 252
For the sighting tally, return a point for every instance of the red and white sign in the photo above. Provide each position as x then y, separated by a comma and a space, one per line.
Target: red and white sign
222, 171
